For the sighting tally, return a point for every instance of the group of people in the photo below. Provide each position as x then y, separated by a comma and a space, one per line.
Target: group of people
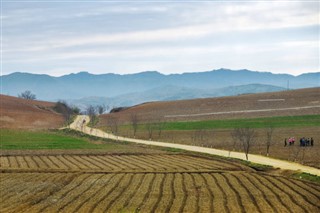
303, 141
306, 141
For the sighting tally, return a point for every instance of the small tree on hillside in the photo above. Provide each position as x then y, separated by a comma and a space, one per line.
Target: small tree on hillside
27, 95
160, 126
113, 123
246, 137
150, 127
91, 112
102, 108
63, 108
134, 122
269, 133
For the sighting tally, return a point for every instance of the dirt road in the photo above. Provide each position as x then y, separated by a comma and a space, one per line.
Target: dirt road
81, 121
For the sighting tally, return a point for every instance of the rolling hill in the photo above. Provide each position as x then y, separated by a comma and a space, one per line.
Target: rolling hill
17, 113
285, 103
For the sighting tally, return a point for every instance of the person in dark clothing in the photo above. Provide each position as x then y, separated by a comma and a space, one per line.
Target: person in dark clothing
285, 142
311, 141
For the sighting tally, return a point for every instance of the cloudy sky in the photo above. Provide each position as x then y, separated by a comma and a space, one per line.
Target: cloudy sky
60, 37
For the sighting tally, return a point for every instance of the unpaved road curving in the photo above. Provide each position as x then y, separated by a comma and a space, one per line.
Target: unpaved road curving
80, 125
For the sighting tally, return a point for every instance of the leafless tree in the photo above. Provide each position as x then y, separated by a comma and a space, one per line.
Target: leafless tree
160, 125
150, 127
101, 108
27, 95
134, 122
91, 111
269, 142
246, 137
235, 139
113, 123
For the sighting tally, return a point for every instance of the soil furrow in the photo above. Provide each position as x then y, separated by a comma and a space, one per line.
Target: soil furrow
248, 200
98, 202
123, 186
262, 195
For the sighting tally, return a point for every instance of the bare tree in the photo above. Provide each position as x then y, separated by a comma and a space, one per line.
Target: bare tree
91, 111
113, 123
246, 137
101, 108
150, 127
235, 139
27, 95
134, 123
269, 142
160, 126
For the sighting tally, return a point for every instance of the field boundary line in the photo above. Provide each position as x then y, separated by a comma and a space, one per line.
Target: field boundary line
240, 111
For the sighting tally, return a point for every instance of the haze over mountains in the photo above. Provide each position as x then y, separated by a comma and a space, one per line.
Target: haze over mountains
125, 90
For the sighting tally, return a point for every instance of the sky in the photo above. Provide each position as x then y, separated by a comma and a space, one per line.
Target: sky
61, 37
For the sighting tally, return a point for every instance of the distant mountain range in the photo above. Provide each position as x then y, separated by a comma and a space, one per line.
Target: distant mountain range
124, 90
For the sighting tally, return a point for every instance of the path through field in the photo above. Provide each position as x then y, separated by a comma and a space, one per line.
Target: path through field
80, 126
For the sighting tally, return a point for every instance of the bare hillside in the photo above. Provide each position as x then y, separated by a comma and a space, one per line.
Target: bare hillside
17, 113
286, 103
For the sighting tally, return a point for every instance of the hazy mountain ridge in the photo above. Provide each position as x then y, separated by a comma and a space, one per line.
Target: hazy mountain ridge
136, 88
171, 93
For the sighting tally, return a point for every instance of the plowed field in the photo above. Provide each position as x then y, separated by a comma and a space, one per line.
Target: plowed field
146, 183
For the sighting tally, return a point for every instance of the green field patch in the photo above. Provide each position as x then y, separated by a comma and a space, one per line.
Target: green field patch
276, 122
22, 139
307, 176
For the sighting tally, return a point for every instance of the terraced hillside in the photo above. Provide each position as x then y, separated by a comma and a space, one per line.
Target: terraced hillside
146, 183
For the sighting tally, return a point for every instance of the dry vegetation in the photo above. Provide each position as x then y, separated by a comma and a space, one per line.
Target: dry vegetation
146, 183
294, 98
17, 113
221, 138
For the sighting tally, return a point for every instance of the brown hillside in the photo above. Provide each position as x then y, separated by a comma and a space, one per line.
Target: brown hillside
17, 113
281, 103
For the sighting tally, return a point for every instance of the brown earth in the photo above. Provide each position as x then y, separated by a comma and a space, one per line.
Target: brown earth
17, 113
221, 138
146, 183
168, 110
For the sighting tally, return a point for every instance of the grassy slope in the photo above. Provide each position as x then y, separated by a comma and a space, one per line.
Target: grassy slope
18, 139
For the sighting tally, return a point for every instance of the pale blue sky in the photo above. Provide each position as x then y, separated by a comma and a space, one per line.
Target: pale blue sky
60, 37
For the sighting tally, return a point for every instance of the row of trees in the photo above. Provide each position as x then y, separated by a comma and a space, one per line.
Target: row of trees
247, 137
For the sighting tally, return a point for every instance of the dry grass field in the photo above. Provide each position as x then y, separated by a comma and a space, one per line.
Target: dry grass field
152, 111
17, 113
146, 183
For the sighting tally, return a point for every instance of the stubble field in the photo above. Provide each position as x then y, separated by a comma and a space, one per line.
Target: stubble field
146, 183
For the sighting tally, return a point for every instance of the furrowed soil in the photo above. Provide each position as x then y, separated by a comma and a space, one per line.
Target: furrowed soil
145, 182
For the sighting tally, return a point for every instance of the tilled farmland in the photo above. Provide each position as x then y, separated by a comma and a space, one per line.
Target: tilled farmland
146, 183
